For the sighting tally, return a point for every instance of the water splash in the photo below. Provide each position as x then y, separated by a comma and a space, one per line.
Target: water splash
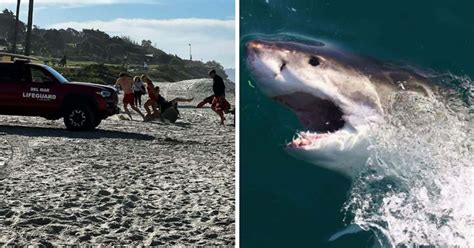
418, 189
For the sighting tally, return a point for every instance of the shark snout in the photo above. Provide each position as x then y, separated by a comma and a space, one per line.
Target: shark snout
253, 44
254, 48
258, 46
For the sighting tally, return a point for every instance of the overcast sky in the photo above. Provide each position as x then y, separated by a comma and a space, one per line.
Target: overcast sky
170, 24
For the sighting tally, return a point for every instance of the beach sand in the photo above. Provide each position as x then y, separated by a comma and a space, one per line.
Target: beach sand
126, 183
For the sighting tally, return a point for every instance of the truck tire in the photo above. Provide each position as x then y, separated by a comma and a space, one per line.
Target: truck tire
79, 118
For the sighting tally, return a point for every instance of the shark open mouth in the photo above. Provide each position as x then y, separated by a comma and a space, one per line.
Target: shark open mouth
320, 117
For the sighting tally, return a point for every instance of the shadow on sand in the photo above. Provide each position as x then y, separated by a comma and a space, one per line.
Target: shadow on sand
179, 124
193, 107
59, 132
182, 124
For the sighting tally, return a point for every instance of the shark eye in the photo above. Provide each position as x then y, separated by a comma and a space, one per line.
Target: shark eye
283, 65
314, 61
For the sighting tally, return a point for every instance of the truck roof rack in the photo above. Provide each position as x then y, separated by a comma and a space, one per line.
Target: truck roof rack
16, 57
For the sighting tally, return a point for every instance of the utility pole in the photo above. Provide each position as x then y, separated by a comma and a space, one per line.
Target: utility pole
17, 21
190, 54
28, 31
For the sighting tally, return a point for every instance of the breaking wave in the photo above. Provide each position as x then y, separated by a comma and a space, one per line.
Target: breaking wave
418, 189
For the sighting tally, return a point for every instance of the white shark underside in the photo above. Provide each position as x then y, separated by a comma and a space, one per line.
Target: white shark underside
338, 97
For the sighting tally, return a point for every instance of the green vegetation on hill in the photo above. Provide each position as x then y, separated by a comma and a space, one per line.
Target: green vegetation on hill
92, 73
94, 56
108, 73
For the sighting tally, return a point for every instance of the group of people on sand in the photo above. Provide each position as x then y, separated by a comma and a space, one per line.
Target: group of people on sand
134, 87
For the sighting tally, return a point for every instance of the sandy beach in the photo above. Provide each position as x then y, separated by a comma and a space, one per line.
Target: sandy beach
126, 183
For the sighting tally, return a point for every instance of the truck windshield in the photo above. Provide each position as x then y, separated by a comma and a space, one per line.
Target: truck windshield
57, 75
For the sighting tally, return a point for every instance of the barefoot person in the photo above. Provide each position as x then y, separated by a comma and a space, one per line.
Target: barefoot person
125, 82
151, 104
218, 102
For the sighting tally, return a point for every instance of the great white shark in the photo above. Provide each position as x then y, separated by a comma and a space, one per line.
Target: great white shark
338, 96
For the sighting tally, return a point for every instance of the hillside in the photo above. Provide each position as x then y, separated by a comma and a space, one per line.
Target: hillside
99, 51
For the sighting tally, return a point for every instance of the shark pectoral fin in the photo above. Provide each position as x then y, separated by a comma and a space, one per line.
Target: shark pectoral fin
351, 229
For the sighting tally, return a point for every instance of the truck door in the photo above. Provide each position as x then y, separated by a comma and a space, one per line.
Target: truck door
40, 91
11, 83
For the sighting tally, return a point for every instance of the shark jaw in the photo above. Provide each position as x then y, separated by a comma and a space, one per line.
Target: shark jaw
335, 103
334, 138
326, 124
321, 118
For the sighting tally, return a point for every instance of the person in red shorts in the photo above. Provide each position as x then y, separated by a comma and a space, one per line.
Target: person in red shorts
218, 102
152, 99
125, 82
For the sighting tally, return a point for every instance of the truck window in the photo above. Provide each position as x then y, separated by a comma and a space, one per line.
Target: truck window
7, 73
38, 76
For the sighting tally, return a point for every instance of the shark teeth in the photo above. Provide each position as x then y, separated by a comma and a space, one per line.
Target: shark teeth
305, 139
340, 139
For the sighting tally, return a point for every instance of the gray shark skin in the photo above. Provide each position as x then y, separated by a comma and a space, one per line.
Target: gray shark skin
339, 97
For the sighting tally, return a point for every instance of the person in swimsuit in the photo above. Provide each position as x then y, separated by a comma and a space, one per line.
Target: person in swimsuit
151, 102
125, 82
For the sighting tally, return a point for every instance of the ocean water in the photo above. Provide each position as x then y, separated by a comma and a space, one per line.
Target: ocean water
423, 194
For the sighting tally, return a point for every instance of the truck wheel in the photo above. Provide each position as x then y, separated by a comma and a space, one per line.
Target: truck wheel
78, 118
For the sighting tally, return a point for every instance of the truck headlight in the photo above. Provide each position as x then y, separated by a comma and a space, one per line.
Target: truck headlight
104, 93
